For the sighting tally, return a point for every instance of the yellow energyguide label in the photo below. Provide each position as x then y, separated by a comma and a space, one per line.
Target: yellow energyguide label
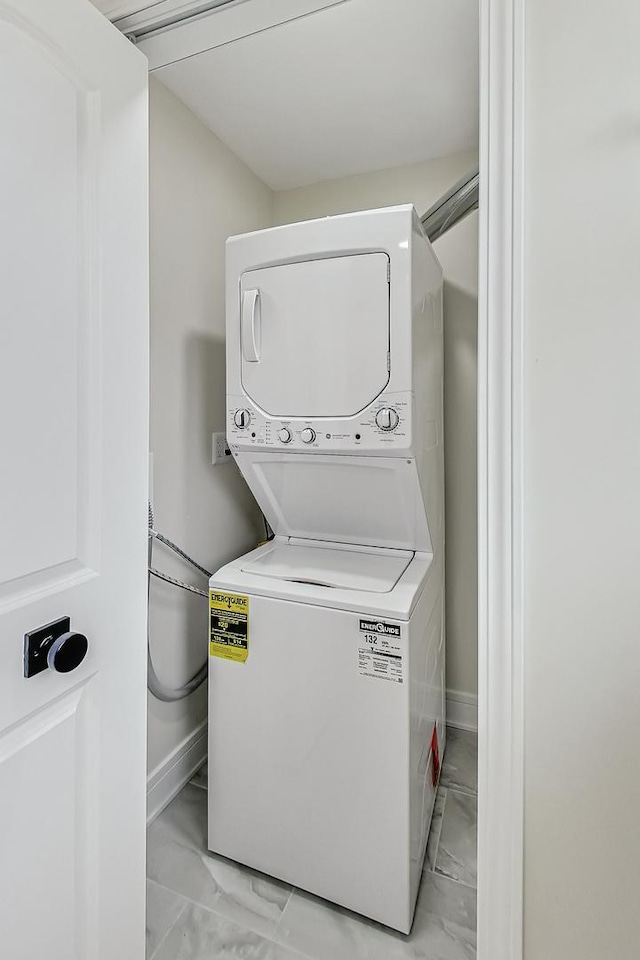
229, 626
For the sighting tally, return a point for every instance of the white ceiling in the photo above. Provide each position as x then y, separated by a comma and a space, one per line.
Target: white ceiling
363, 85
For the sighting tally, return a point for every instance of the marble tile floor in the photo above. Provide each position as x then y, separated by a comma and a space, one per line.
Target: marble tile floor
204, 907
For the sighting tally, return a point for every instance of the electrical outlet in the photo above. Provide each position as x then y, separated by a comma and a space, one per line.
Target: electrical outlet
219, 449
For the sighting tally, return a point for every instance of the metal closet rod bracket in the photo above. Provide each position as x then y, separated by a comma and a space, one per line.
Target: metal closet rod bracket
452, 206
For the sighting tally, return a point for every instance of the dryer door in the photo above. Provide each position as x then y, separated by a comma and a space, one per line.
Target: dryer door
315, 335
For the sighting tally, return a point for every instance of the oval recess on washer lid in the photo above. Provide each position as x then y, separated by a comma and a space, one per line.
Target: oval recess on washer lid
342, 569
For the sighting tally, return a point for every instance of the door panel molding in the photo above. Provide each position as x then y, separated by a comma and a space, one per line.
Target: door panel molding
52, 368
500, 499
50, 752
43, 583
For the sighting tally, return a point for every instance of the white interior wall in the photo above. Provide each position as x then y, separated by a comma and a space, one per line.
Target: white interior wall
200, 194
581, 480
422, 184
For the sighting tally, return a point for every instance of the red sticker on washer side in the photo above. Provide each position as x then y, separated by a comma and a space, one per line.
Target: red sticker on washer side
435, 752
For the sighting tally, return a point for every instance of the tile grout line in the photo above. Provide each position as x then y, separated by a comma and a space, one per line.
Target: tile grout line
447, 876
445, 791
456, 789
162, 886
220, 913
227, 919
440, 872
270, 939
171, 926
200, 786
279, 943
201, 906
284, 909
443, 876
466, 793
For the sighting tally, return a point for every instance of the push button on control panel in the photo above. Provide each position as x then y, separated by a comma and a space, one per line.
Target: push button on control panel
387, 418
308, 435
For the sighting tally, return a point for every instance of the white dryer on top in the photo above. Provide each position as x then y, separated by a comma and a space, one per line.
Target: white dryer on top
334, 377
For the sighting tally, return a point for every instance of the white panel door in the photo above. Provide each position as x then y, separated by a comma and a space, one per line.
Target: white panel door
315, 335
73, 484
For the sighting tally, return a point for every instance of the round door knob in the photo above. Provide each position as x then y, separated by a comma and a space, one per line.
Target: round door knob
241, 418
387, 418
67, 652
308, 435
284, 435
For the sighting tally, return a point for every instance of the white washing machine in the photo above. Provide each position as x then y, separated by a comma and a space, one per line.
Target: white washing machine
326, 679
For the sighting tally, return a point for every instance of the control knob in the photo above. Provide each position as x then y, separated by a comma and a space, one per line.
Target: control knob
241, 418
308, 435
284, 435
387, 418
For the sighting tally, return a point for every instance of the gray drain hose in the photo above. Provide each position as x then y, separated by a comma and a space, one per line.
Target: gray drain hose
159, 689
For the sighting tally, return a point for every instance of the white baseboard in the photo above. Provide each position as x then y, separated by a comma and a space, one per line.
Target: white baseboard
170, 776
462, 710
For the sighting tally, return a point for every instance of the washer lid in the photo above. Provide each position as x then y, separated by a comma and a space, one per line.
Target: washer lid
365, 501
346, 569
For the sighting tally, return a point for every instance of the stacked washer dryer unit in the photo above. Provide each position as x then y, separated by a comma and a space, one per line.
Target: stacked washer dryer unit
326, 679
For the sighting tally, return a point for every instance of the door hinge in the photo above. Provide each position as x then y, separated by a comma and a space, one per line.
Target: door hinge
388, 272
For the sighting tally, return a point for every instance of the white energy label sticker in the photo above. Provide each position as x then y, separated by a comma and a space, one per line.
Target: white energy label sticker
380, 651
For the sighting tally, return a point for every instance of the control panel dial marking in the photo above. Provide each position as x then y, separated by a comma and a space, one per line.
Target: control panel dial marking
387, 418
242, 418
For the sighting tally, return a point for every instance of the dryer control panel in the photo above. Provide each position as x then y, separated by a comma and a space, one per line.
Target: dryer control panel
383, 428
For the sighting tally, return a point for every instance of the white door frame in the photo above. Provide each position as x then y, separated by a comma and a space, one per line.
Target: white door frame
500, 500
